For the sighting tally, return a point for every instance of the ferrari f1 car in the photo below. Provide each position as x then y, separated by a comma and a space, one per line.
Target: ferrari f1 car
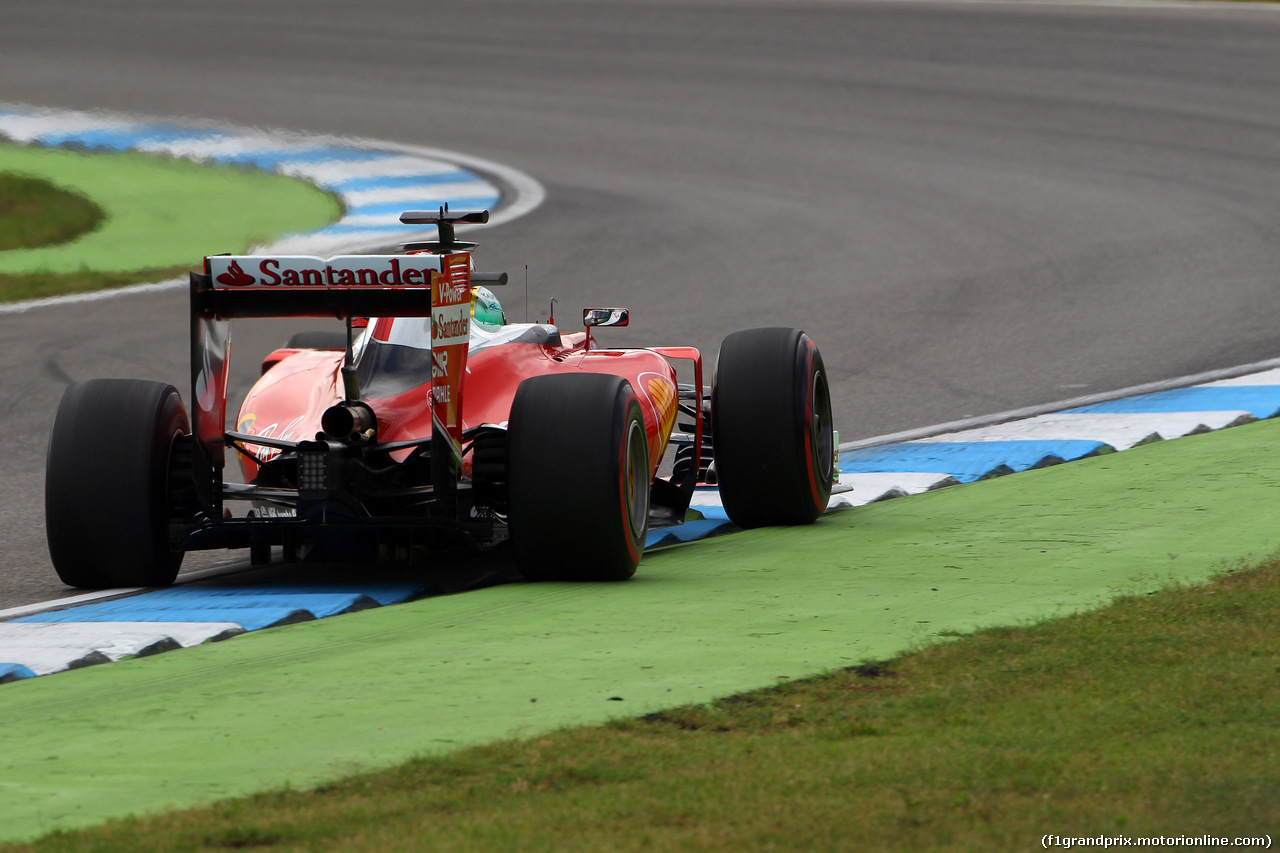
425, 426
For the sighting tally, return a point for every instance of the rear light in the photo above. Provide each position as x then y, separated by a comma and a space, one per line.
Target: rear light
313, 471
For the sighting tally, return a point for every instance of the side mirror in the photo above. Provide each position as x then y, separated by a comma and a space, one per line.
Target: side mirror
605, 316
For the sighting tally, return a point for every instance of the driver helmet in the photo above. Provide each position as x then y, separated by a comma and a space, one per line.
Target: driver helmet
486, 309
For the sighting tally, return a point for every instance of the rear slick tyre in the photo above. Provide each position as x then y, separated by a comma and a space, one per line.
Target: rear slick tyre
772, 429
107, 483
578, 478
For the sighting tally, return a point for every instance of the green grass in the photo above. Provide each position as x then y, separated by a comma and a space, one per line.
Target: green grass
158, 217
1154, 716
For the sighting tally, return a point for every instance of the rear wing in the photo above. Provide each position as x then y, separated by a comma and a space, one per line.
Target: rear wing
344, 287
301, 286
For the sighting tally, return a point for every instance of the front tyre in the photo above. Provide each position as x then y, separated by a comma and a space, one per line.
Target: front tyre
109, 483
578, 478
772, 430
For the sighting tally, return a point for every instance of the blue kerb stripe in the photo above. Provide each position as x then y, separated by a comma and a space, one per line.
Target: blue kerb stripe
687, 532
14, 671
966, 461
1262, 401
125, 138
391, 182
338, 230
250, 607
383, 593
118, 140
167, 132
393, 226
152, 608
272, 159
397, 208
430, 195
248, 618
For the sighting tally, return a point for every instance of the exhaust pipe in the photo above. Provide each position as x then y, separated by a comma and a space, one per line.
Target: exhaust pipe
350, 421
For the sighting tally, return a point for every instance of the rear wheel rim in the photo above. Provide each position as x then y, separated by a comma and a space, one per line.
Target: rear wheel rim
636, 479
821, 426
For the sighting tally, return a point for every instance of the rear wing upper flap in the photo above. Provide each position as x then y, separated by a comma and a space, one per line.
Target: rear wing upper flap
302, 286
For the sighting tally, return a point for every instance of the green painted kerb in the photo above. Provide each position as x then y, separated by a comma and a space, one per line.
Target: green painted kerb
163, 211
309, 702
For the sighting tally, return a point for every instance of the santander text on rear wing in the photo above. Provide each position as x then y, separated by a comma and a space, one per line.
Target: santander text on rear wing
303, 286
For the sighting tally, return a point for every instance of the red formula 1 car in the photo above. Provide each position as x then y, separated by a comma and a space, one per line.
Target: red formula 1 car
424, 427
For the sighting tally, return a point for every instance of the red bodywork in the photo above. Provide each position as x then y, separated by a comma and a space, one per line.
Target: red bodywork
289, 399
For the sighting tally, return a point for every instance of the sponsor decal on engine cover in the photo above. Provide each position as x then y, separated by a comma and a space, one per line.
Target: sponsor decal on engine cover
381, 271
663, 393
450, 334
663, 398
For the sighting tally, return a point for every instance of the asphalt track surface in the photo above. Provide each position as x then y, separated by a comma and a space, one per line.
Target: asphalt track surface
972, 207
